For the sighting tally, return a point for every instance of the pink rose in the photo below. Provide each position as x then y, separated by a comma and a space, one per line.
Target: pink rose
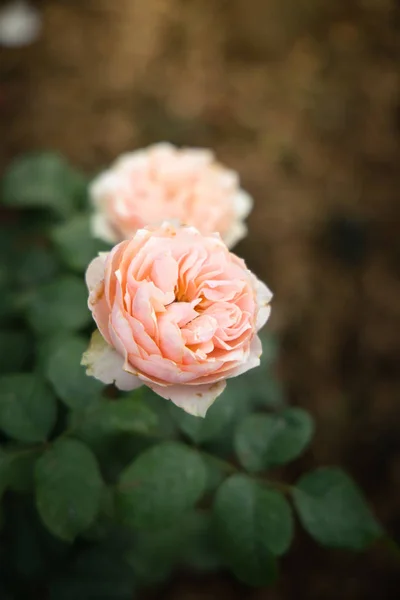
162, 183
176, 311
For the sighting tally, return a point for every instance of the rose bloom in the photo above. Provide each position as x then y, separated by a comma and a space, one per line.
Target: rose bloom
162, 183
176, 311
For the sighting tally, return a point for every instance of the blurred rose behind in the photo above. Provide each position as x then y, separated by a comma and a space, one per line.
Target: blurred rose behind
183, 185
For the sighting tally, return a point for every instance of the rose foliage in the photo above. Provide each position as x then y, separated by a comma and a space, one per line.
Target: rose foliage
106, 491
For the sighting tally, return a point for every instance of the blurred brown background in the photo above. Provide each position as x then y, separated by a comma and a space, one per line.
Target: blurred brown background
302, 98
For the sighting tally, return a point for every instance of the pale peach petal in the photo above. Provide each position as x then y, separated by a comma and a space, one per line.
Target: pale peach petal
111, 266
104, 363
253, 359
200, 330
171, 341
142, 338
100, 312
263, 316
164, 273
159, 368
242, 204
163, 182
143, 308
235, 233
180, 311
195, 400
120, 323
264, 297
95, 271
134, 161
97, 302
102, 229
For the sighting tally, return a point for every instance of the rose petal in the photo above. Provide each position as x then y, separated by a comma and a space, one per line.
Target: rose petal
179, 312
171, 342
194, 399
164, 182
105, 364
235, 233
164, 273
264, 297
102, 229
253, 359
95, 271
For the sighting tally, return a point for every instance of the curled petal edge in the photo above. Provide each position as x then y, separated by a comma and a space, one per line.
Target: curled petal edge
95, 271
193, 399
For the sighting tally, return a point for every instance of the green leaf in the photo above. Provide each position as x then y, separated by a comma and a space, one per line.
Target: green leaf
40, 180
37, 265
15, 348
160, 485
216, 472
188, 540
219, 416
125, 415
27, 407
59, 306
45, 347
167, 427
25, 549
200, 550
100, 572
68, 488
7, 304
253, 524
21, 472
156, 553
262, 440
5, 463
64, 371
16, 468
333, 510
75, 243
259, 387
297, 430
268, 391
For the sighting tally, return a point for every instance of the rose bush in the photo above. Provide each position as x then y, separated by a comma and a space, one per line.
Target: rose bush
176, 311
163, 182
102, 491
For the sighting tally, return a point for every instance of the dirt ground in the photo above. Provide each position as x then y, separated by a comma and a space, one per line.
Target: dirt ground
302, 98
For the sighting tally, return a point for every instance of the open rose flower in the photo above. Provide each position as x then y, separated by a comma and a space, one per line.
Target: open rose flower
176, 311
162, 183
